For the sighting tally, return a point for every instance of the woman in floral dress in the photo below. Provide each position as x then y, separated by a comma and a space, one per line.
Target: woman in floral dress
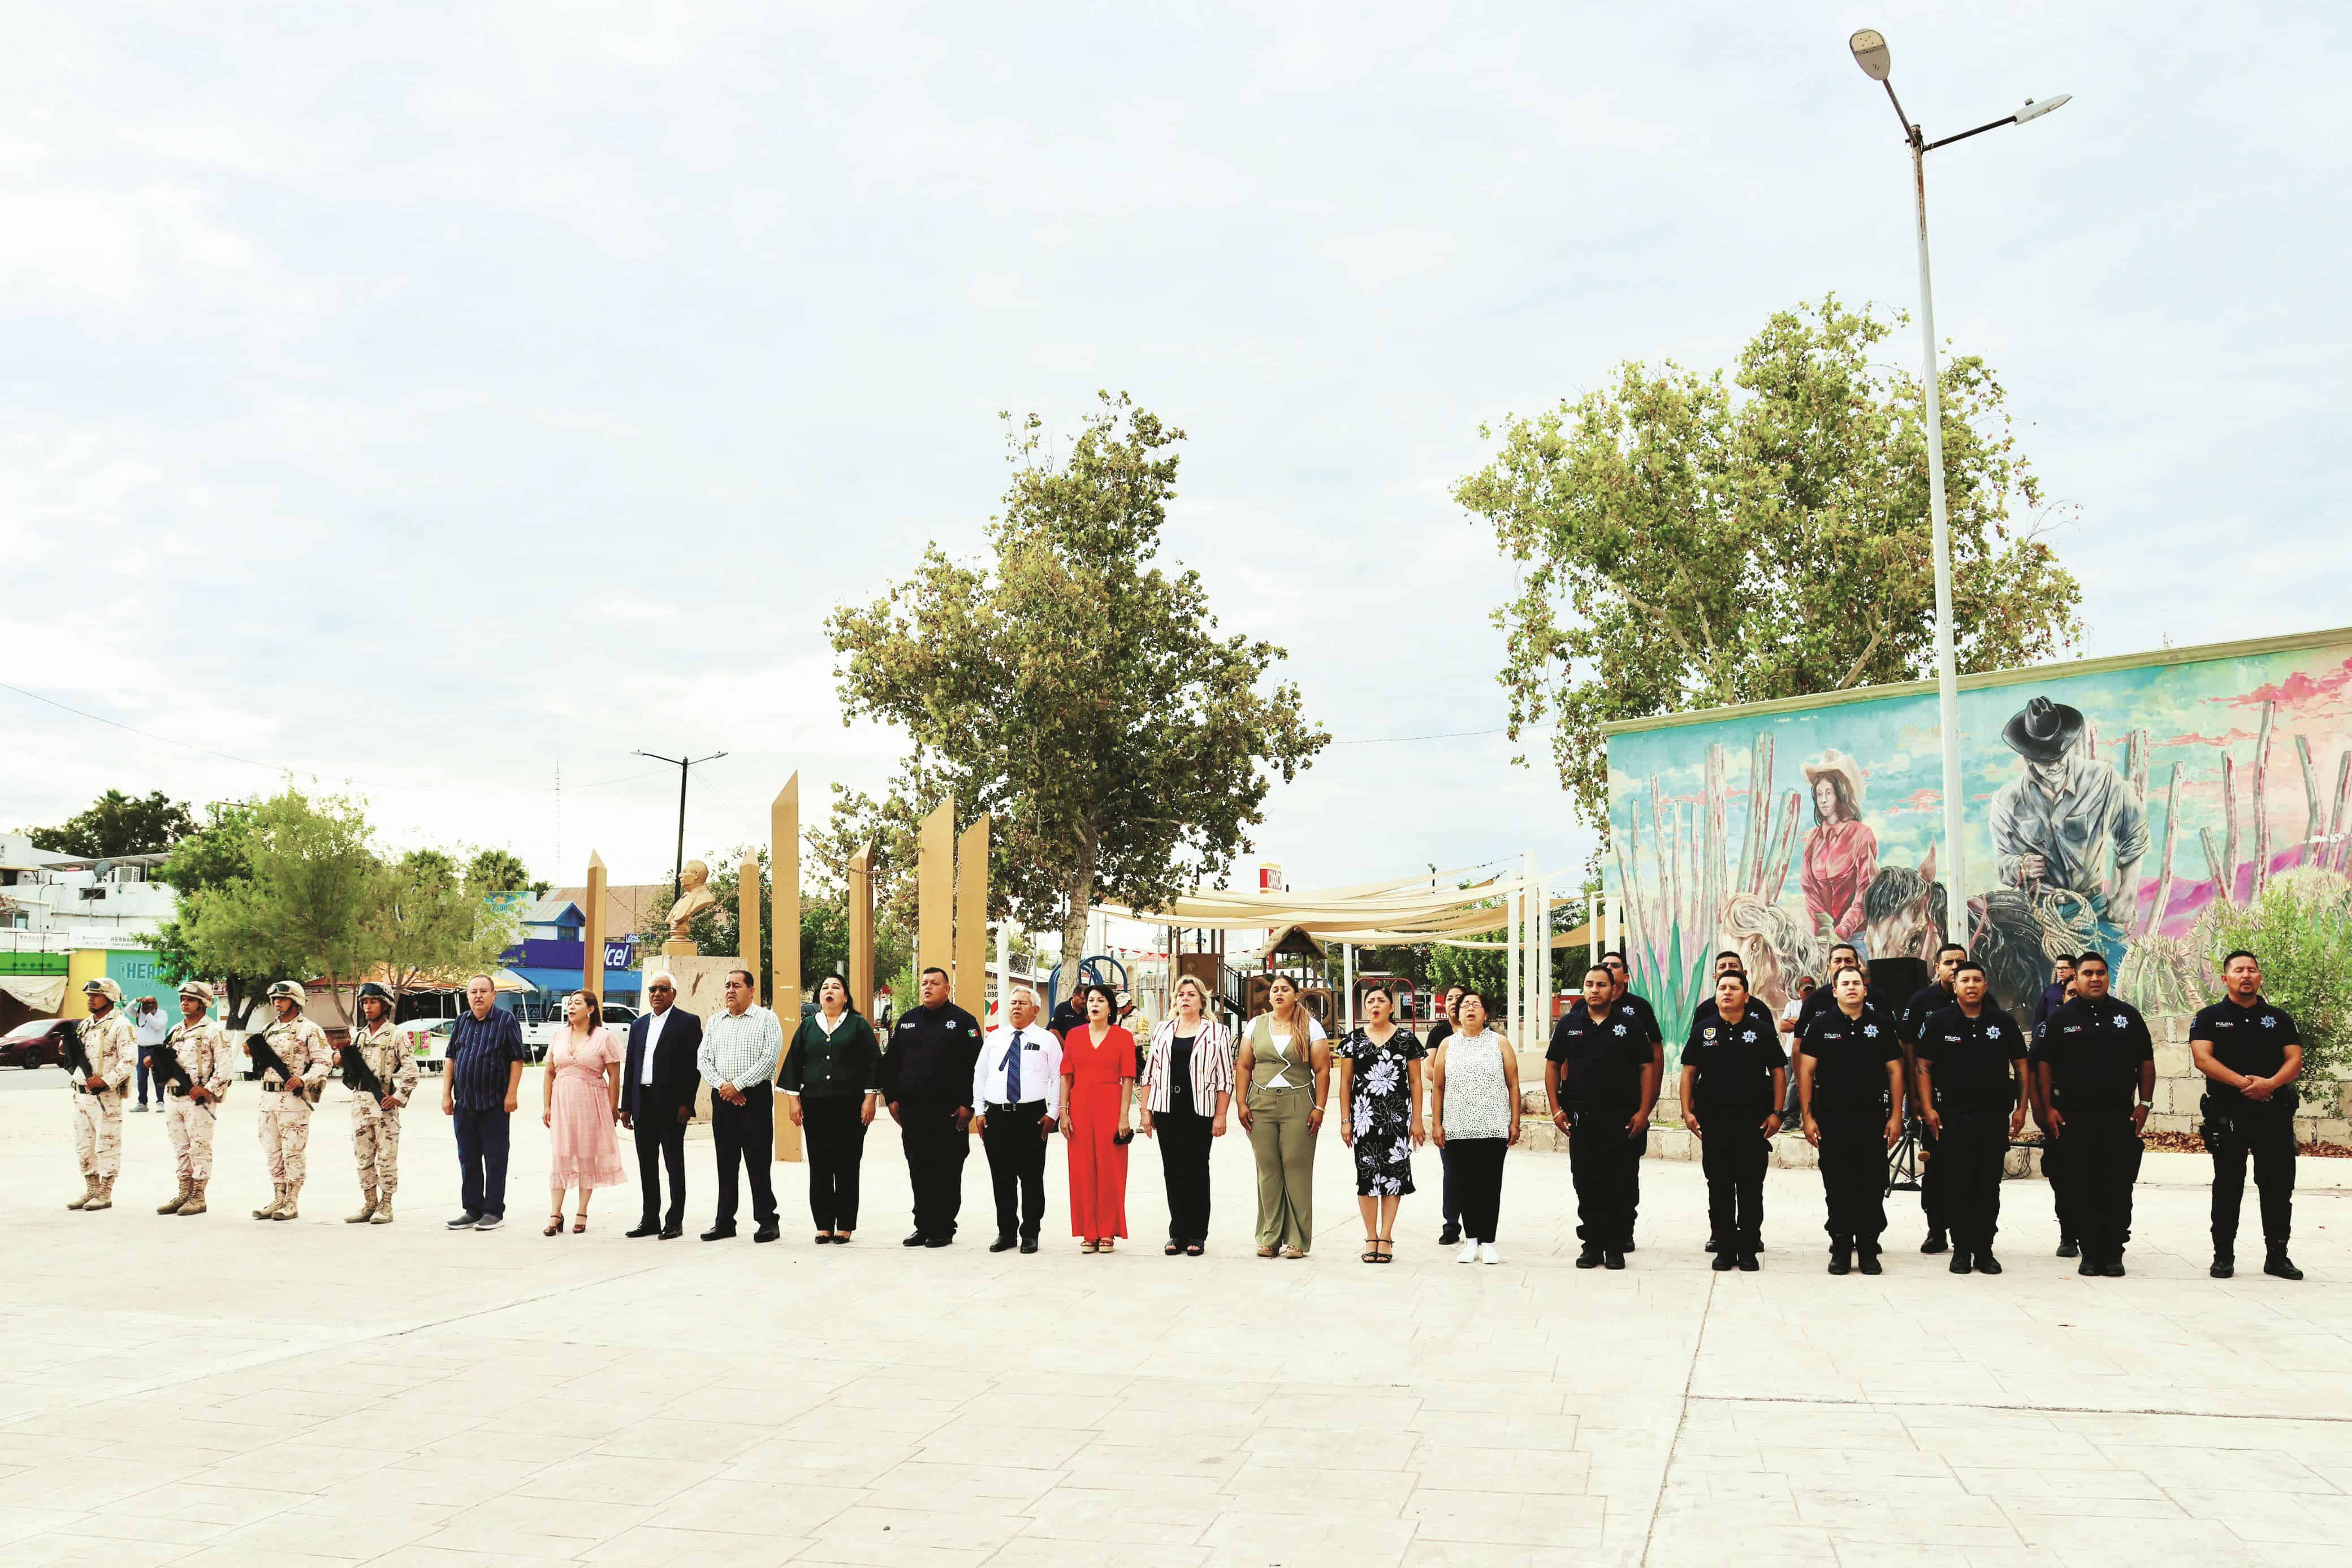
1380, 1116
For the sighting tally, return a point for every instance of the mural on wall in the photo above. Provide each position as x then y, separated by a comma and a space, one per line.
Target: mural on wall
2109, 808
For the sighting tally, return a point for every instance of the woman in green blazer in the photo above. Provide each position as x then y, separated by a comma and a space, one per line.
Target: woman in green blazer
829, 1072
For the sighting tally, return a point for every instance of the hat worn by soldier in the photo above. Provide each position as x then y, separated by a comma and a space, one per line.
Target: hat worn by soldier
2043, 731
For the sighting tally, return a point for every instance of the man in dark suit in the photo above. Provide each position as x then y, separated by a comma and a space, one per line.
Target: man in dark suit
658, 1087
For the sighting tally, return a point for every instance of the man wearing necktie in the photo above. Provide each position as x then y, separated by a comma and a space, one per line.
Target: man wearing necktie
1017, 1084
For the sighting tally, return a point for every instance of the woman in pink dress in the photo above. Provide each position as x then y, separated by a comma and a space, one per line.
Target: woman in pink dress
583, 1101
1841, 851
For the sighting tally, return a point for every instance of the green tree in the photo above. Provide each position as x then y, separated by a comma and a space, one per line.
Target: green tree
1076, 692
1688, 541
427, 924
496, 870
296, 908
117, 824
216, 856
2301, 928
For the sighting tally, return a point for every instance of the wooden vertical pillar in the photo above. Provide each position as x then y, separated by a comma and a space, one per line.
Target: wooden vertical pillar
971, 920
934, 897
785, 983
747, 923
861, 929
591, 932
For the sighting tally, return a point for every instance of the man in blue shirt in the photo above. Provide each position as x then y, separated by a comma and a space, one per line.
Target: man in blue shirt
479, 1086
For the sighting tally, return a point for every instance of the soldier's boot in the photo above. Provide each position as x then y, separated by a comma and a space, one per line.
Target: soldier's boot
383, 1210
269, 1210
187, 1191
89, 1190
367, 1207
286, 1204
196, 1202
104, 1199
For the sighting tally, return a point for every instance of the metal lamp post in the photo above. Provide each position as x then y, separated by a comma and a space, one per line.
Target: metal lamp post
1870, 53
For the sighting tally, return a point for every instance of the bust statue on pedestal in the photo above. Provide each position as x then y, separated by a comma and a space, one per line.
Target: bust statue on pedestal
694, 897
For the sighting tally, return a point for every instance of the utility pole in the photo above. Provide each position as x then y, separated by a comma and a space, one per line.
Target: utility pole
677, 876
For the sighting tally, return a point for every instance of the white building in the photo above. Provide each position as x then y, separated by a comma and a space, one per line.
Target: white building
86, 902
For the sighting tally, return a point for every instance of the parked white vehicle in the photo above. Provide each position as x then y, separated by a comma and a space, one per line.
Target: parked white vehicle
542, 1021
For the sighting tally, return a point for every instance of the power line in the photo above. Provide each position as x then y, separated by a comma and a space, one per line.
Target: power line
1392, 739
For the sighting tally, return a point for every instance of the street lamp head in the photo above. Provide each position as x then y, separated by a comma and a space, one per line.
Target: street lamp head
2036, 110
1869, 47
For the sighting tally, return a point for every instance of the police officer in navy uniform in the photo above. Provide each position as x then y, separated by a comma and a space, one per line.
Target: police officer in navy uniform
1850, 1086
1625, 996
2097, 1076
1925, 1002
1972, 1077
925, 1080
1734, 1082
1600, 1076
2251, 1055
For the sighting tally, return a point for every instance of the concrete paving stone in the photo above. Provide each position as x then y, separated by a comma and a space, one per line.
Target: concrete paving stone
1036, 1551
649, 1548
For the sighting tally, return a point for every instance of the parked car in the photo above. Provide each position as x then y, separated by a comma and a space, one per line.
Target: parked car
542, 1022
36, 1042
427, 1040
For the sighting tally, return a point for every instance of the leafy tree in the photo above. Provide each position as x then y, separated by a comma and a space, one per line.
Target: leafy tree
216, 856
298, 906
496, 870
1685, 541
2301, 928
427, 924
1076, 692
116, 824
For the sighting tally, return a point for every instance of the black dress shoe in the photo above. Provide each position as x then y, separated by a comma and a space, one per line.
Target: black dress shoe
1713, 1245
1028, 1244
2066, 1247
1868, 1262
1628, 1246
768, 1232
2279, 1266
1003, 1244
645, 1227
1588, 1259
719, 1233
1723, 1263
915, 1239
1986, 1264
672, 1232
939, 1242
1841, 1260
1749, 1263
1960, 1264
1450, 1236
1936, 1242
2114, 1270
2088, 1269
1613, 1259
2224, 1266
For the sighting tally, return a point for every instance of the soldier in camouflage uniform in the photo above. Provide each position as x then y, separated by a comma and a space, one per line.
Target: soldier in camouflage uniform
375, 1119
286, 1102
112, 1047
198, 1047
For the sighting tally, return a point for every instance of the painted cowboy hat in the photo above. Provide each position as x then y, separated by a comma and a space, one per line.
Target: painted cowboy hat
1844, 767
2043, 731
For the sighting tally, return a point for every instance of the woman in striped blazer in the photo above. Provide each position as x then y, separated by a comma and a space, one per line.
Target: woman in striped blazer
1188, 1083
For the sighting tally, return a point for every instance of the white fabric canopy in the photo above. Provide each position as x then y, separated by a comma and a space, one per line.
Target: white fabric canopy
42, 993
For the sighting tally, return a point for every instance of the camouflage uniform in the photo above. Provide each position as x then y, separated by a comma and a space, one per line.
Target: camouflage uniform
113, 1049
302, 1046
202, 1051
375, 1127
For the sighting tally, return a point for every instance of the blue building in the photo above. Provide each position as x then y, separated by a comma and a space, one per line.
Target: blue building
550, 953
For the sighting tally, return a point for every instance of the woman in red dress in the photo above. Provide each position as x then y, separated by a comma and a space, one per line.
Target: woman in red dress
1098, 1062
1841, 851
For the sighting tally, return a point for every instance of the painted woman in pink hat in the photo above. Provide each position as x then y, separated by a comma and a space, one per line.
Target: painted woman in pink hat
1841, 851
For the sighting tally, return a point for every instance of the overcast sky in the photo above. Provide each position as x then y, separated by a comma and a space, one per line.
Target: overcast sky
427, 401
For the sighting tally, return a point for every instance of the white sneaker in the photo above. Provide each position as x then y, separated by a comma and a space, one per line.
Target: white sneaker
1469, 1253
1486, 1253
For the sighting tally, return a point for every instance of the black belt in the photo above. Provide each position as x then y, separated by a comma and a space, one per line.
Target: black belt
995, 1105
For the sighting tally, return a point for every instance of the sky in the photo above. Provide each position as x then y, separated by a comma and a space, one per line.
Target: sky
424, 402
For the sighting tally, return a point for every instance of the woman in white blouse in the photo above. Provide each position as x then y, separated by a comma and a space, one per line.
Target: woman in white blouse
1474, 1098
1285, 1073
1188, 1082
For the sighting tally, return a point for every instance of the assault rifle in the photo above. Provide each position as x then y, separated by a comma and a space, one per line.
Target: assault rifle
77, 1058
264, 1057
163, 1062
358, 1075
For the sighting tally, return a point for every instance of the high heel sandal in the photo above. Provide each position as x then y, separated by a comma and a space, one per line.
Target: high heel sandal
579, 1224
1388, 1250
1371, 1252
554, 1224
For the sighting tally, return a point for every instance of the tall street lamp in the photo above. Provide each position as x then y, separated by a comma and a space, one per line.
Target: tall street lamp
1870, 53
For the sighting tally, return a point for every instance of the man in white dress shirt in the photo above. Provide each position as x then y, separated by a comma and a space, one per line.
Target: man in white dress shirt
657, 1085
1016, 1089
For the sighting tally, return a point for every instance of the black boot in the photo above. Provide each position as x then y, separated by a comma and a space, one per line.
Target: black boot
1589, 1258
2278, 1265
1960, 1262
2225, 1264
1868, 1262
2066, 1246
1936, 1242
1840, 1258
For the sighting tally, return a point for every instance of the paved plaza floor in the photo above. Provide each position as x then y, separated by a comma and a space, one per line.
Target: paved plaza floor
221, 1391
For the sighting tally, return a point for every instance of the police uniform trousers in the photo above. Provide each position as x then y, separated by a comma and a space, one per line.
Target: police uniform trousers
1734, 1152
189, 1125
2103, 1154
375, 1145
1975, 1144
936, 1149
1853, 1176
2060, 1179
97, 1131
1016, 1166
2264, 1130
746, 1134
285, 1136
1605, 1163
1933, 1173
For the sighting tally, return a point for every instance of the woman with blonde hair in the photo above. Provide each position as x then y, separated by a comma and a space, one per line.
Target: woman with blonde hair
1285, 1069
581, 1104
1188, 1082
